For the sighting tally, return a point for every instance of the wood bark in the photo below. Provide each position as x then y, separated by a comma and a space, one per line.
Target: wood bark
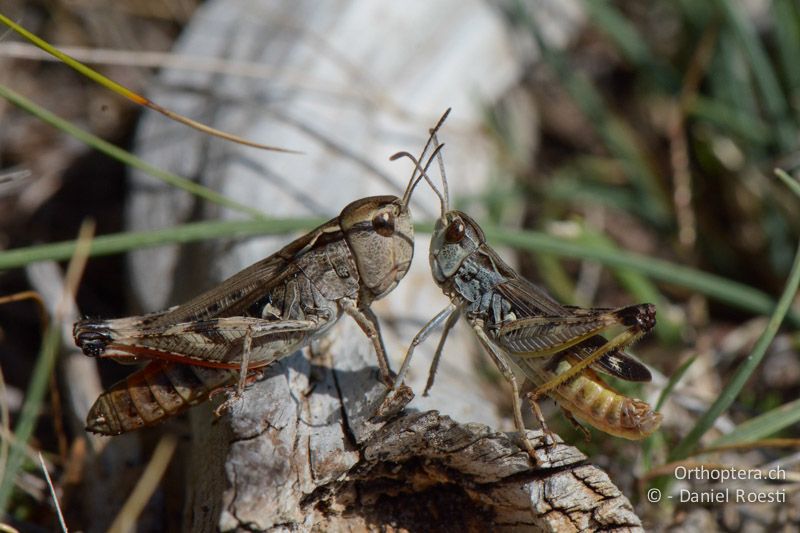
303, 452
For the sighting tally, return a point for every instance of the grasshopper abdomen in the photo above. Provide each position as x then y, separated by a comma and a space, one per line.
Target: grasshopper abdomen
593, 401
152, 394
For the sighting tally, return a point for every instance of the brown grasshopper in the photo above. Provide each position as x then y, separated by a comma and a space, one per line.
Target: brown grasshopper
557, 348
256, 317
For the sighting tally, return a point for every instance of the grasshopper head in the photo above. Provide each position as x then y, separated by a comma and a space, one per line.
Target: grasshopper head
380, 233
454, 238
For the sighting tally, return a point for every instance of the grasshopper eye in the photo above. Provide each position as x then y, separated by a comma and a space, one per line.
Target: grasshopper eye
383, 224
455, 232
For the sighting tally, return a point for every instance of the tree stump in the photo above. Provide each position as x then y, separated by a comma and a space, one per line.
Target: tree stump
303, 453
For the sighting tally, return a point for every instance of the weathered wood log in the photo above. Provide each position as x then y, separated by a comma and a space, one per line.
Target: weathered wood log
303, 453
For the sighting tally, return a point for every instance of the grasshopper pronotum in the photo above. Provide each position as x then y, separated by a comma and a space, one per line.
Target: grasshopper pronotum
557, 348
256, 317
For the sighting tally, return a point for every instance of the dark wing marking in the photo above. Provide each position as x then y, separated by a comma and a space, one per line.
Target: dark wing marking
615, 363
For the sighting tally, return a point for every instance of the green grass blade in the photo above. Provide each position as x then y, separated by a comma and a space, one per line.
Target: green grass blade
125, 157
570, 187
729, 81
72, 63
674, 379
763, 425
734, 387
123, 242
129, 94
37, 388
786, 16
746, 126
790, 182
763, 73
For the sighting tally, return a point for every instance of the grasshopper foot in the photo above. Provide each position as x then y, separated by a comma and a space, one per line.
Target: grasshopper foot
394, 402
528, 446
232, 399
388, 380
549, 437
542, 458
234, 393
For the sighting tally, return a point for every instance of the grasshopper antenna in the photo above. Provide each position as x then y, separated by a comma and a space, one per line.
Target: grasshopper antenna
442, 174
432, 138
423, 174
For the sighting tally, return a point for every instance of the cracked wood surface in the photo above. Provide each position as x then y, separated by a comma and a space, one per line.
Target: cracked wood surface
301, 453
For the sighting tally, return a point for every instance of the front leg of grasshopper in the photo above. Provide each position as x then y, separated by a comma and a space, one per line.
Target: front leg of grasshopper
451, 321
448, 313
400, 394
235, 394
369, 324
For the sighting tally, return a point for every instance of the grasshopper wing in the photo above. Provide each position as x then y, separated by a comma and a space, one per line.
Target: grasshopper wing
546, 328
615, 363
190, 326
214, 343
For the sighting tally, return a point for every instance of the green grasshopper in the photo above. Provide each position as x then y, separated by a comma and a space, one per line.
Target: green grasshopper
256, 317
559, 349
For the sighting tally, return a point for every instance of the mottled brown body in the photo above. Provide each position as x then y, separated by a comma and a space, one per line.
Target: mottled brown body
259, 315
